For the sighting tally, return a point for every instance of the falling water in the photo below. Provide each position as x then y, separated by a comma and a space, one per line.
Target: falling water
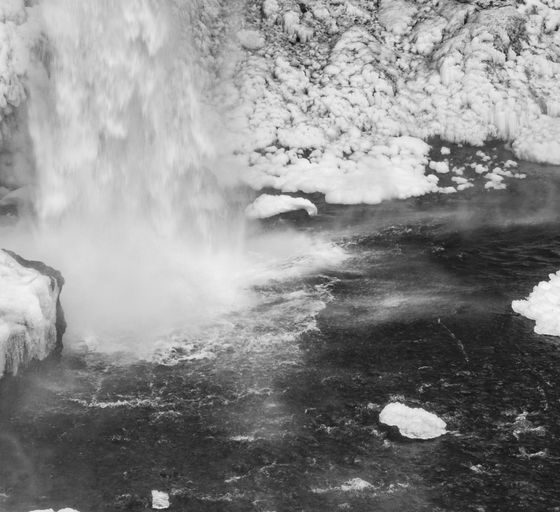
131, 198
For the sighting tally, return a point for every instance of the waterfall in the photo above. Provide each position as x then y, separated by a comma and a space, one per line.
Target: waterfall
118, 122
131, 197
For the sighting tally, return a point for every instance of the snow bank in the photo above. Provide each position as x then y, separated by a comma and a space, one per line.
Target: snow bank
543, 306
414, 423
31, 320
268, 205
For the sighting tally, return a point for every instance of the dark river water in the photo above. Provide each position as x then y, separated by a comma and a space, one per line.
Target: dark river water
276, 408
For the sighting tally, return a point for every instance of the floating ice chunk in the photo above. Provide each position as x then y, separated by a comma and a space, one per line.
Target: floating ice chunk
268, 205
414, 423
251, 39
439, 167
543, 306
356, 484
447, 190
445, 151
160, 500
61, 510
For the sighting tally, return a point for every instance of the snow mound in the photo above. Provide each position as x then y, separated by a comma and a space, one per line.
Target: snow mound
30, 322
268, 205
414, 423
543, 306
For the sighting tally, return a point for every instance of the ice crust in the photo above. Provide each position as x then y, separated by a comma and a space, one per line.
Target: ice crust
337, 83
28, 312
267, 205
543, 306
414, 423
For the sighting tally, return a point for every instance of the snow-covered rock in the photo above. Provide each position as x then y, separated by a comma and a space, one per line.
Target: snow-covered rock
31, 318
160, 500
268, 205
413, 423
543, 306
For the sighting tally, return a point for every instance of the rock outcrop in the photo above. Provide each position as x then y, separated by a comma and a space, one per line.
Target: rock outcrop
31, 317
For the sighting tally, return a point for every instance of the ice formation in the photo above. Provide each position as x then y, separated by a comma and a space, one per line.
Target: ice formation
414, 423
336, 83
160, 500
267, 205
543, 306
28, 314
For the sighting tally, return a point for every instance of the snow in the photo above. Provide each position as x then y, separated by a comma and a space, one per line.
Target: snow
160, 500
14, 60
251, 39
52, 510
543, 306
540, 142
356, 484
269, 205
28, 303
317, 110
414, 423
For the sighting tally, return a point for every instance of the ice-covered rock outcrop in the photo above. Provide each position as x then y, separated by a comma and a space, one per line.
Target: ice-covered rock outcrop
31, 318
337, 83
412, 422
543, 306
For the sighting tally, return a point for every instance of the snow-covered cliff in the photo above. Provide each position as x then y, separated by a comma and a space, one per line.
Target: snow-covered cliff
334, 85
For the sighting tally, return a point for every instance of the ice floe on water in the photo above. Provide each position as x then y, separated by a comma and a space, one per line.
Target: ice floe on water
412, 422
543, 306
267, 205
52, 510
160, 500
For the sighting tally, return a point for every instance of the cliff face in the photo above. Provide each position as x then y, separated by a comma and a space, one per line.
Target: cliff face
31, 317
